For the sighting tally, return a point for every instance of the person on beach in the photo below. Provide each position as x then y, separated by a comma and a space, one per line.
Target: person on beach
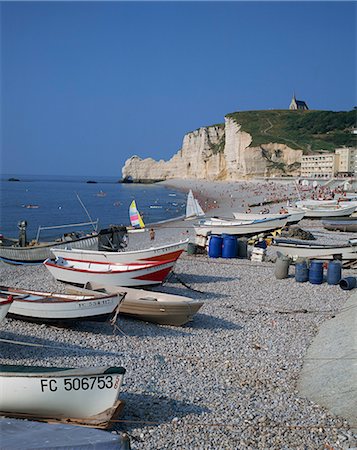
152, 234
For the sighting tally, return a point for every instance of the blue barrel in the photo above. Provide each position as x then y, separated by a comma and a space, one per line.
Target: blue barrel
230, 246
348, 283
215, 246
301, 272
316, 272
334, 272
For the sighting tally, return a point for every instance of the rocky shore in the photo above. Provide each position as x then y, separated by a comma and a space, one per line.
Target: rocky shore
226, 380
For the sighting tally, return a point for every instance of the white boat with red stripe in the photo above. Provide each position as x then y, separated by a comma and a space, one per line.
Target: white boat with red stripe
135, 274
163, 253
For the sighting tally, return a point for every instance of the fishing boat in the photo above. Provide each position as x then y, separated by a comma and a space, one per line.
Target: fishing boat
346, 224
193, 208
292, 218
134, 274
318, 212
150, 306
37, 306
82, 396
162, 253
19, 251
5, 304
300, 249
307, 203
239, 228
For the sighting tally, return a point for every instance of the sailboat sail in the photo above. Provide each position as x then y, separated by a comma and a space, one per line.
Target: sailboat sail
193, 208
135, 218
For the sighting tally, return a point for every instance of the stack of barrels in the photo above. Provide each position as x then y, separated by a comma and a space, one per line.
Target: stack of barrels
227, 246
314, 273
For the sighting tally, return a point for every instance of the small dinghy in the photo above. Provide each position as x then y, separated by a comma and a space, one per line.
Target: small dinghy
134, 274
36, 306
346, 224
150, 306
82, 396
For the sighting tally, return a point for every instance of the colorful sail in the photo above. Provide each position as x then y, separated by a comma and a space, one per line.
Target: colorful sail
135, 219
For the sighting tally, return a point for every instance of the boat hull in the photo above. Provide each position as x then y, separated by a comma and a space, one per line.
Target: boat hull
292, 218
164, 253
80, 273
86, 394
39, 253
297, 249
5, 304
346, 224
314, 212
43, 307
219, 227
150, 306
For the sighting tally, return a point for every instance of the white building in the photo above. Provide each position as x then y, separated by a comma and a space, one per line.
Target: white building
327, 165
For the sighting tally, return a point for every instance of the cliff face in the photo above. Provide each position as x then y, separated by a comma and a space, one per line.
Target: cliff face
218, 153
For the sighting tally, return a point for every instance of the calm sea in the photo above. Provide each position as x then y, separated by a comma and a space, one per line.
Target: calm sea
55, 202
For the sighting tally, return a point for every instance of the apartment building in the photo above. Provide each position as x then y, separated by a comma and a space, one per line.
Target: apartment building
323, 165
327, 165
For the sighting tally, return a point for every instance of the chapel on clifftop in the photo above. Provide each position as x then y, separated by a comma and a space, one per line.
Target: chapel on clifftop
298, 104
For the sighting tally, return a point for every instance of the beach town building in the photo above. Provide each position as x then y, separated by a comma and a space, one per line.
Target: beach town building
327, 165
298, 104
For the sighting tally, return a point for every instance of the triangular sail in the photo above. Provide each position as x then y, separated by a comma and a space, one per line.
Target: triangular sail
135, 218
193, 208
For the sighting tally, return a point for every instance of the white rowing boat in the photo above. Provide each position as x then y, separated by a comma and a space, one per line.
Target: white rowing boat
166, 252
300, 249
239, 228
5, 304
150, 306
42, 307
136, 274
84, 396
294, 217
325, 211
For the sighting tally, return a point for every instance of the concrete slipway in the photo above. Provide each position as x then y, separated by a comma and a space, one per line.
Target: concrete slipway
329, 375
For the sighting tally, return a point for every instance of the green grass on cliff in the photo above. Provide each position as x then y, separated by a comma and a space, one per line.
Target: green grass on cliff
307, 130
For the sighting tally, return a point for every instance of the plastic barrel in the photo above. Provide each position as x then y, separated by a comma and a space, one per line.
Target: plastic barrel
301, 272
348, 283
242, 248
316, 272
215, 246
282, 267
334, 272
229, 246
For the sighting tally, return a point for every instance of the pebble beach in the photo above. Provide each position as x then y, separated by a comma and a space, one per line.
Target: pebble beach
226, 380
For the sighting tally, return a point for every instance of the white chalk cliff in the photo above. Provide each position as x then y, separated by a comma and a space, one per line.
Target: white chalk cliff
220, 152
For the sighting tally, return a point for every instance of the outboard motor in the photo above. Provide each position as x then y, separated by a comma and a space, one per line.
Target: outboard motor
113, 239
22, 233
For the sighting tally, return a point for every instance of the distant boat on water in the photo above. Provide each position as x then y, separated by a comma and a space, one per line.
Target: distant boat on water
101, 194
31, 206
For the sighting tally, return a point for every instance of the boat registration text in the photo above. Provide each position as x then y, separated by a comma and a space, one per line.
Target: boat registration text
76, 384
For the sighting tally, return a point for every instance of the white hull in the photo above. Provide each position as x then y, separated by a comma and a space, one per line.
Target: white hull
292, 218
79, 272
89, 394
164, 253
38, 253
239, 228
5, 304
297, 250
49, 307
326, 211
321, 203
151, 306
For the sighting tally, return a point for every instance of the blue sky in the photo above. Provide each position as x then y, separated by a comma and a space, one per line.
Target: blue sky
85, 85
